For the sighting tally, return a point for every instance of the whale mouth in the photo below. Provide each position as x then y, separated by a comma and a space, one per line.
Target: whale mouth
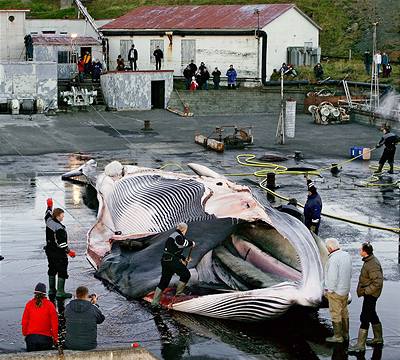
255, 256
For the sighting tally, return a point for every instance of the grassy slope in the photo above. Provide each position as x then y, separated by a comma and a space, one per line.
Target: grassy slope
345, 23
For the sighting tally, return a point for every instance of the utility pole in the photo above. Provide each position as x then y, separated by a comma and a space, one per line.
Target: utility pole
374, 96
257, 12
280, 130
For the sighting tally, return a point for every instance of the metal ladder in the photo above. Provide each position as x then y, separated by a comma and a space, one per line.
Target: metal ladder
347, 92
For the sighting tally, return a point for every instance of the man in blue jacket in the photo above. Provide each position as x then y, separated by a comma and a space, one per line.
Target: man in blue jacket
232, 76
312, 208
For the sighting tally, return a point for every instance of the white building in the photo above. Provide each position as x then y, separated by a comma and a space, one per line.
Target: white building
254, 38
12, 32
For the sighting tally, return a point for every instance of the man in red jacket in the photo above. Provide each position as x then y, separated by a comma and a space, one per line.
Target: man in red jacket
40, 321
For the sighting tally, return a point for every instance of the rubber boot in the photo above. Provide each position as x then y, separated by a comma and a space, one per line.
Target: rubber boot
156, 298
379, 170
378, 338
52, 286
345, 330
391, 169
360, 346
61, 294
337, 333
179, 289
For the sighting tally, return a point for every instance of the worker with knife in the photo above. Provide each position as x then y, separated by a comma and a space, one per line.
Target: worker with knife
174, 262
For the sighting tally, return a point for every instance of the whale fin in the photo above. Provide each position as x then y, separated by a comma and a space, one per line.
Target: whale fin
202, 170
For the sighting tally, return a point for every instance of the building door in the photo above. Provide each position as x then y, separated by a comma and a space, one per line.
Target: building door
158, 94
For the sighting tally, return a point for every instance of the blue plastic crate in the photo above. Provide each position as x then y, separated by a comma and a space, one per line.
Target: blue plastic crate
355, 151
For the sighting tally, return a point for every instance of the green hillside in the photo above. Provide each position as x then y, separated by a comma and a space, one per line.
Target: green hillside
346, 23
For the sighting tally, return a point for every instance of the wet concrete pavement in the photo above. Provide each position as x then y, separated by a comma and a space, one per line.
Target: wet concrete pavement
27, 179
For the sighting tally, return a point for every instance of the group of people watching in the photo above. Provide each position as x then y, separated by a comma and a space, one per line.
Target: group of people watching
40, 321
287, 70
382, 63
197, 78
89, 68
133, 57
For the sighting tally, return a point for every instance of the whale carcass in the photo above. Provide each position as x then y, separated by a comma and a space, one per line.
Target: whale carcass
255, 261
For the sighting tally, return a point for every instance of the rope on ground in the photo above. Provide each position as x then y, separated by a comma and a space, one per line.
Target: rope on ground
373, 226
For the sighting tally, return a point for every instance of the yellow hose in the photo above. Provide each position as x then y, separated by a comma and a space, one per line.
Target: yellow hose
248, 160
379, 227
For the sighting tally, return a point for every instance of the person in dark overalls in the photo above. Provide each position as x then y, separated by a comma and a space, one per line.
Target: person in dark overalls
174, 262
56, 251
312, 208
389, 140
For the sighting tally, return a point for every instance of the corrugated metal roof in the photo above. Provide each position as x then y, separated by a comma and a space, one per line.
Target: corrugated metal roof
64, 40
199, 17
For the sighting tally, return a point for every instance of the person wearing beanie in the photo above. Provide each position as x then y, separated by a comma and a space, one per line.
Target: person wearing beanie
174, 262
40, 321
56, 251
312, 208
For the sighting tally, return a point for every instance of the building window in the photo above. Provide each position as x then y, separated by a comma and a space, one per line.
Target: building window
124, 47
48, 32
67, 57
188, 51
153, 45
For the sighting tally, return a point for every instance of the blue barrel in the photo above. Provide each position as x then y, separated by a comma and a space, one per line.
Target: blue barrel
355, 151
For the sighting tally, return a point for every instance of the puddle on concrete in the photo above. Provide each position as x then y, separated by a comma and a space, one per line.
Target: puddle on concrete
25, 184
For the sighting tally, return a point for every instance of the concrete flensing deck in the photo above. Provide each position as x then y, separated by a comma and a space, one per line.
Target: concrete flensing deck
100, 354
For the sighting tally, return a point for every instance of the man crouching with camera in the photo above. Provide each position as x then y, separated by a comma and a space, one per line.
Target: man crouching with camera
81, 318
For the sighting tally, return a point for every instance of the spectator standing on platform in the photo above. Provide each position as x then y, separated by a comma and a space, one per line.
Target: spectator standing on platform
193, 85
367, 62
159, 55
378, 61
232, 76
81, 69
120, 63
187, 74
133, 57
87, 60
385, 63
97, 67
193, 68
216, 78
318, 71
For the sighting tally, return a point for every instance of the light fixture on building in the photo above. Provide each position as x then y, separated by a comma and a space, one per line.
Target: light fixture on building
169, 34
74, 35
